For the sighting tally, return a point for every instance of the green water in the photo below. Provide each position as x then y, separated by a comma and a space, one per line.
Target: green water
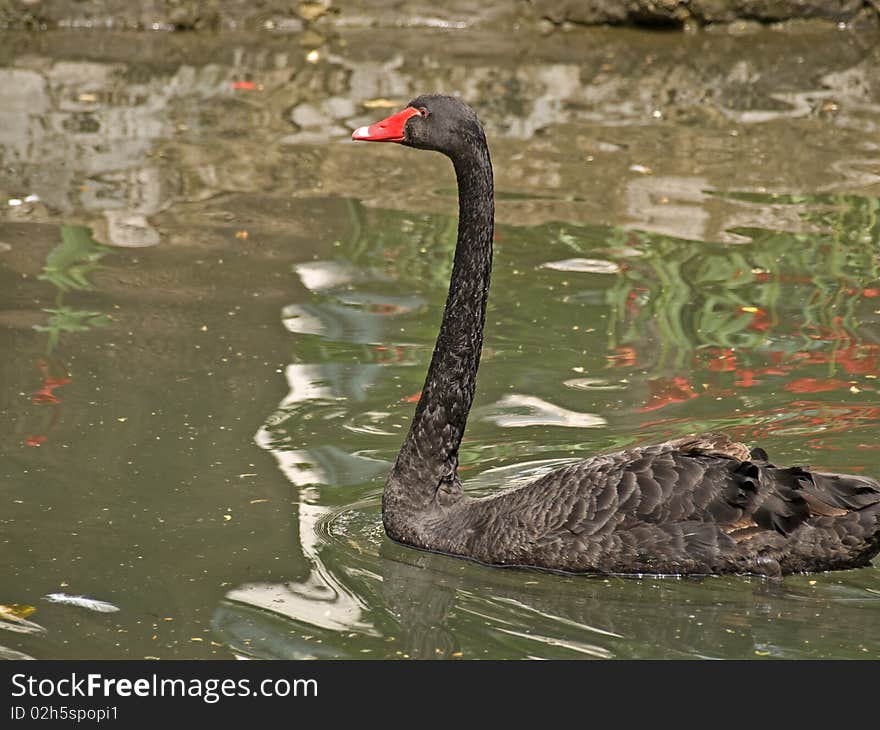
216, 317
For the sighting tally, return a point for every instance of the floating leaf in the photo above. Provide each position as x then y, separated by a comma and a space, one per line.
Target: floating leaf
12, 618
16, 609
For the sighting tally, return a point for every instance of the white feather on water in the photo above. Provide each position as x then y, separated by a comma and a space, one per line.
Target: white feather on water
12, 654
19, 625
83, 602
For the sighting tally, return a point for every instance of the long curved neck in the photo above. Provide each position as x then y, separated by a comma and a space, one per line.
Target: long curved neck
430, 452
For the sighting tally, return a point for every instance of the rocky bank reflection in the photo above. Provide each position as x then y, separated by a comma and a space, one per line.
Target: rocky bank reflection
118, 142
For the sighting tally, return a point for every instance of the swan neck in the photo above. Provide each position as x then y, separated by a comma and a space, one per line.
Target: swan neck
429, 456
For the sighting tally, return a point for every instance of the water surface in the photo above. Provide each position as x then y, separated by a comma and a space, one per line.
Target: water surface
216, 313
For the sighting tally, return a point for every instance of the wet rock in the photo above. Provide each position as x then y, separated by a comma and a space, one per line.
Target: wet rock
23, 90
148, 14
129, 230
680, 12
285, 16
194, 16
281, 24
774, 10
311, 11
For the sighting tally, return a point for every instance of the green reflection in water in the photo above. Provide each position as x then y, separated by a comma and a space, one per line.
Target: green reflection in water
67, 268
670, 321
69, 264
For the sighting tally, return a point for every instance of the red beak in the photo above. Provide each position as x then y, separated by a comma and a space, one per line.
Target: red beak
388, 130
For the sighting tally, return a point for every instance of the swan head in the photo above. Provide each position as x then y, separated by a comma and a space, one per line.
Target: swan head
430, 122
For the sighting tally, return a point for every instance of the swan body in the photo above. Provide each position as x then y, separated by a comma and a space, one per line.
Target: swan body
696, 505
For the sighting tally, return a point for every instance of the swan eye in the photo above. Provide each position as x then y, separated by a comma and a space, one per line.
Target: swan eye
423, 112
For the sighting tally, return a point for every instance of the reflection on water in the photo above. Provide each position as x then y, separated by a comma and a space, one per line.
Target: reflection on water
686, 240
538, 413
715, 336
409, 604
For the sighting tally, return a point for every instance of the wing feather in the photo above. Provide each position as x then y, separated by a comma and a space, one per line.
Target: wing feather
707, 478
700, 503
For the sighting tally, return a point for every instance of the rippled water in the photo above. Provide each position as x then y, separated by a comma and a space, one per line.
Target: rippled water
216, 314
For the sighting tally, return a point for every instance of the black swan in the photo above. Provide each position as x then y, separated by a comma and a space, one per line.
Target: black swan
696, 505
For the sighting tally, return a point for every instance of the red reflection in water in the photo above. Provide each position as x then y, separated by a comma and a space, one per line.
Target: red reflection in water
820, 444
837, 331
761, 321
46, 396
386, 309
774, 371
855, 358
815, 385
396, 353
665, 391
723, 360
623, 357
834, 344
746, 379
632, 300
859, 359
765, 276
797, 417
